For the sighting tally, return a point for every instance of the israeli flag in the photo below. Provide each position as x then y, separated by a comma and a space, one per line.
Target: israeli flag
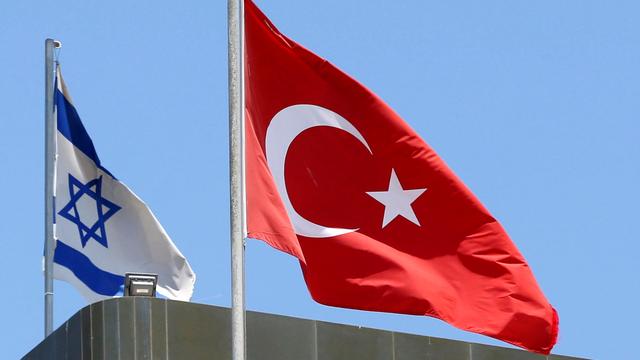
102, 229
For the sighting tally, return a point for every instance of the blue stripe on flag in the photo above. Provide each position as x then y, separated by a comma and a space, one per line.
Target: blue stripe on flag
70, 126
96, 279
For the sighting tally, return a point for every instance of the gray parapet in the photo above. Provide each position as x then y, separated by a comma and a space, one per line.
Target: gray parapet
146, 328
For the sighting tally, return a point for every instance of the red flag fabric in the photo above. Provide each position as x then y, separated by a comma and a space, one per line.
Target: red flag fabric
376, 218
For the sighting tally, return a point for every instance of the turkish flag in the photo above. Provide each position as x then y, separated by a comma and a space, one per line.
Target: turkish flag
377, 219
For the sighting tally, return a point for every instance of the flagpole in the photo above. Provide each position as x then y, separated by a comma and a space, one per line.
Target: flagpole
236, 171
49, 158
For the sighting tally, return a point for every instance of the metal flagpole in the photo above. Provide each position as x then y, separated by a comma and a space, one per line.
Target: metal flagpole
49, 158
236, 171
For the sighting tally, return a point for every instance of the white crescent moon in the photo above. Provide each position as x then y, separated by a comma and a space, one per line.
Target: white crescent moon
285, 126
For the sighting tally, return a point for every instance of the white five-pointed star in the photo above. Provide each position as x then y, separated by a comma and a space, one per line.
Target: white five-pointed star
397, 201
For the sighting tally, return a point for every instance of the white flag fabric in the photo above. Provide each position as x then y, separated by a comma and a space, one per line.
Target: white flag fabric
102, 229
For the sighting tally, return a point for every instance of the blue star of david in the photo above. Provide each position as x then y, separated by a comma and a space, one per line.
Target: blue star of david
104, 207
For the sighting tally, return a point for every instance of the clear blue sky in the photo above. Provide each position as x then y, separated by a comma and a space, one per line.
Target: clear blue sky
535, 105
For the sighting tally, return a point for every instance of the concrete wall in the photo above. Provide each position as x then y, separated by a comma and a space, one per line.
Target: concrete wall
144, 328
